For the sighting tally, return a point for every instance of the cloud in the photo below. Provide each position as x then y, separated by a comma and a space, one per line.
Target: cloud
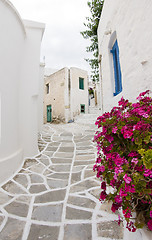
62, 44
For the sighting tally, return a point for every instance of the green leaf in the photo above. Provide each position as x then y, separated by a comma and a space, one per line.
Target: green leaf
141, 151
138, 140
147, 139
139, 225
128, 197
147, 159
91, 34
136, 177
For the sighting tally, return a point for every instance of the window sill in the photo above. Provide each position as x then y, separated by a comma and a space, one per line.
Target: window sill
115, 94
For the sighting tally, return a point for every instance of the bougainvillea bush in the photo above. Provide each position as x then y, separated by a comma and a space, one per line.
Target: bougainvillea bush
124, 160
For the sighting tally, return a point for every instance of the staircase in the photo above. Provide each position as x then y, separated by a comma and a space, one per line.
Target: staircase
95, 110
87, 119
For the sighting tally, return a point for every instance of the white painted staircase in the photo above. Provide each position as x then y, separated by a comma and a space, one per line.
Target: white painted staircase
87, 119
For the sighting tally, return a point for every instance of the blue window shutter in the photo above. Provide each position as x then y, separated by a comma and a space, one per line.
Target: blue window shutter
117, 69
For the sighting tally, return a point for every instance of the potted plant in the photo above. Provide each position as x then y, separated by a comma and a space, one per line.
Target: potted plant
124, 160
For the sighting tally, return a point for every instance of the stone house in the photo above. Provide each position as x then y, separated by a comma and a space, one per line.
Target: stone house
21, 88
65, 94
125, 50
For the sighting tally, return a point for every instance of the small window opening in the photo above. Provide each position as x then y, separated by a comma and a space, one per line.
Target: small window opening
82, 109
47, 88
81, 83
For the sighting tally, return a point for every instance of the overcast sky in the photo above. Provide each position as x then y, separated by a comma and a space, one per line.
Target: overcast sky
62, 44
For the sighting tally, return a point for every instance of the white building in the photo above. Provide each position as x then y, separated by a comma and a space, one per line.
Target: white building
125, 50
125, 56
94, 99
20, 88
65, 94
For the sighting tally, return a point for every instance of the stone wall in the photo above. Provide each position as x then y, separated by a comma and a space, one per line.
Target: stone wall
57, 86
64, 95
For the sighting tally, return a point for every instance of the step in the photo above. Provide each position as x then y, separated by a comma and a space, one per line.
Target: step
86, 119
95, 110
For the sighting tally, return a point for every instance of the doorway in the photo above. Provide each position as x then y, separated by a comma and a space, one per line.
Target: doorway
49, 113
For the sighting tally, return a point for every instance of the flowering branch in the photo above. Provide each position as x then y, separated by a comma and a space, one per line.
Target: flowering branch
124, 159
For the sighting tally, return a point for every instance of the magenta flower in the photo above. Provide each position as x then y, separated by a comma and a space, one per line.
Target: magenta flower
131, 227
114, 207
118, 199
128, 134
103, 185
95, 167
134, 160
142, 113
123, 102
118, 170
149, 224
126, 115
148, 173
127, 179
124, 152
129, 188
127, 213
119, 161
103, 195
114, 129
101, 168
109, 138
133, 154
122, 193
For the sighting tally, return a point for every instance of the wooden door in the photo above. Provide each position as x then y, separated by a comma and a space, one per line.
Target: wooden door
49, 113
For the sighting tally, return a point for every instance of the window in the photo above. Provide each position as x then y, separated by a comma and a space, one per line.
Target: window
82, 108
47, 88
81, 83
117, 70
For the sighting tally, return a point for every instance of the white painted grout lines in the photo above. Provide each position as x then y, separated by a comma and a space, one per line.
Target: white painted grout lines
28, 221
61, 233
48, 173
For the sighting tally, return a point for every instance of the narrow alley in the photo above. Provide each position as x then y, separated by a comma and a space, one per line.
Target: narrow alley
55, 194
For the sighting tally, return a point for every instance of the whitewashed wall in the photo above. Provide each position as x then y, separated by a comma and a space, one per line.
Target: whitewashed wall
20, 51
29, 88
40, 97
130, 21
12, 43
78, 96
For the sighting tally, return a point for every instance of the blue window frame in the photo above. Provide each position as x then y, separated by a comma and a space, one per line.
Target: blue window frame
117, 69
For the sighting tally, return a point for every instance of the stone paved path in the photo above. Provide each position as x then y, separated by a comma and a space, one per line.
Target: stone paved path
55, 194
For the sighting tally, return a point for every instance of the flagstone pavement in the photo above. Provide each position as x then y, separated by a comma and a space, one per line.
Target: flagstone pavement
55, 195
